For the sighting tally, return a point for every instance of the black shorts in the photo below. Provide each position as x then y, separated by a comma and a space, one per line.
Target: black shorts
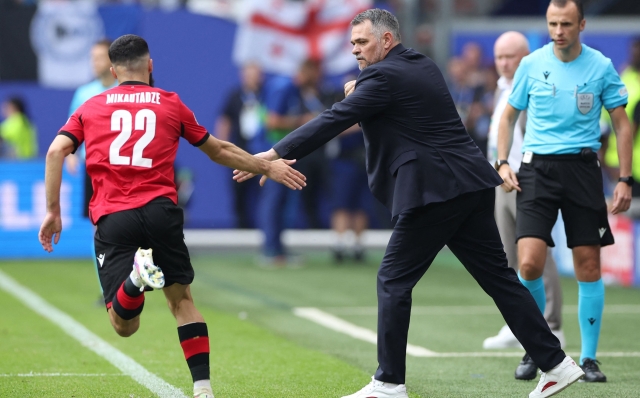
157, 225
569, 183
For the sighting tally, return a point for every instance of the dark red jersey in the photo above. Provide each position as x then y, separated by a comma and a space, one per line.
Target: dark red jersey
131, 136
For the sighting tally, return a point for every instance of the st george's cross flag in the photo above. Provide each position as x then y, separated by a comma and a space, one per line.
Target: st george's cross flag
280, 34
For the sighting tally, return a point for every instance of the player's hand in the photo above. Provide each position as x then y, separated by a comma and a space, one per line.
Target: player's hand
621, 198
510, 179
50, 229
72, 163
241, 176
282, 172
349, 87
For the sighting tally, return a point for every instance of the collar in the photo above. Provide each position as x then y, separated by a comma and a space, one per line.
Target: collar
396, 50
133, 83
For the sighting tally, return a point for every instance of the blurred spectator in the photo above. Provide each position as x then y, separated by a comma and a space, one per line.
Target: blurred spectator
17, 134
461, 92
472, 57
472, 87
315, 100
631, 79
289, 106
479, 118
350, 199
350, 195
242, 122
104, 80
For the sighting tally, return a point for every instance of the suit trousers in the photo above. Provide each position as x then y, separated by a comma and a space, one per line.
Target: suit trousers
506, 220
466, 224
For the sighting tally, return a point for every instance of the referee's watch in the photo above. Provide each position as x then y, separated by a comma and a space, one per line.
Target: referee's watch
627, 180
500, 163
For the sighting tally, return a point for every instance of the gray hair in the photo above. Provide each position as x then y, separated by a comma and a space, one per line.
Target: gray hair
381, 21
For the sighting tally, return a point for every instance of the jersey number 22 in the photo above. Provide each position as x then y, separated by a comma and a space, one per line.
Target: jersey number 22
121, 120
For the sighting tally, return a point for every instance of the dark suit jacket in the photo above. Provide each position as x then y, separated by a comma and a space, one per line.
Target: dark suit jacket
418, 151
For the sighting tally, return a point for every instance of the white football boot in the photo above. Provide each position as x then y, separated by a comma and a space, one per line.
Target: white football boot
150, 275
557, 379
203, 392
379, 389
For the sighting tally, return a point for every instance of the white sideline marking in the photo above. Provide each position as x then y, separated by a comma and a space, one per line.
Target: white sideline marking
475, 310
357, 332
31, 374
88, 339
340, 325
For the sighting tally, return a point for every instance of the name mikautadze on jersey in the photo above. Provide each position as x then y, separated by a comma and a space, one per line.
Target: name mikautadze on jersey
135, 98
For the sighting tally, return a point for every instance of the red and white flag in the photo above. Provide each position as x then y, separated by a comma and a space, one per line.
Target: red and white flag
280, 34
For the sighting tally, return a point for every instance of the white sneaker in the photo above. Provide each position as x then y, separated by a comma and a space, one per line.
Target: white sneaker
504, 339
203, 392
149, 274
557, 379
379, 389
560, 335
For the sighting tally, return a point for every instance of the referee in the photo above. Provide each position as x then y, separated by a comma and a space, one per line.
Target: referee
563, 86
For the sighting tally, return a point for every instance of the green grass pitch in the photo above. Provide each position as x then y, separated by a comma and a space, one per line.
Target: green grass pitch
259, 348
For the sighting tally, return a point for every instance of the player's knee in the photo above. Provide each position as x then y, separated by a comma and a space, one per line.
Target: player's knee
530, 269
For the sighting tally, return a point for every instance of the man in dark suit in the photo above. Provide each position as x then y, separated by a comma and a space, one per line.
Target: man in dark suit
424, 167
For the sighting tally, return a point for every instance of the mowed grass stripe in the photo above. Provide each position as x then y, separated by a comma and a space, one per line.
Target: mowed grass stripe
473, 310
357, 332
88, 339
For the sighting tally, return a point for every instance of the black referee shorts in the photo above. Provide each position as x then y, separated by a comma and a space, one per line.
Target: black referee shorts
571, 183
157, 225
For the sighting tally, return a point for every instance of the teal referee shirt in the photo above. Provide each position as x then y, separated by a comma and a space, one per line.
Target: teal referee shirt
564, 99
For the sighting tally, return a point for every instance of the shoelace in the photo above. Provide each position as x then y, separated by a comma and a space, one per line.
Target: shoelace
591, 364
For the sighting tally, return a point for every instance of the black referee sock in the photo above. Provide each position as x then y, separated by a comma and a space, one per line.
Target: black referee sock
194, 339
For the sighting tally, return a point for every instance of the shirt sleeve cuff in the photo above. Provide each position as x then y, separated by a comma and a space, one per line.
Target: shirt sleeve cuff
73, 138
613, 105
202, 141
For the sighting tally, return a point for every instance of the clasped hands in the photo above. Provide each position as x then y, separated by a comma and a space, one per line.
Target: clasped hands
280, 171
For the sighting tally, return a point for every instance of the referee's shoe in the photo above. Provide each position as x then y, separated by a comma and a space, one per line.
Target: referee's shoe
557, 379
592, 373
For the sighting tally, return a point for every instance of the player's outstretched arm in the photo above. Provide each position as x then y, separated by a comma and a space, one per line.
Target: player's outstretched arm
242, 176
227, 154
52, 225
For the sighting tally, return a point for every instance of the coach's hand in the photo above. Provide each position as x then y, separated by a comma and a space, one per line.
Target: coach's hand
510, 179
349, 87
282, 172
621, 198
51, 228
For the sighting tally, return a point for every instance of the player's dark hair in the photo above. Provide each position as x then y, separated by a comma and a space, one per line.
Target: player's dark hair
128, 49
381, 21
563, 4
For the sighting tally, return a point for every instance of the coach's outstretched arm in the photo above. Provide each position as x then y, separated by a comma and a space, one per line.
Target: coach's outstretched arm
52, 224
227, 154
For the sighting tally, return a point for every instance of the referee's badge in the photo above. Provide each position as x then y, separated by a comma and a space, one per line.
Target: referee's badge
585, 102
